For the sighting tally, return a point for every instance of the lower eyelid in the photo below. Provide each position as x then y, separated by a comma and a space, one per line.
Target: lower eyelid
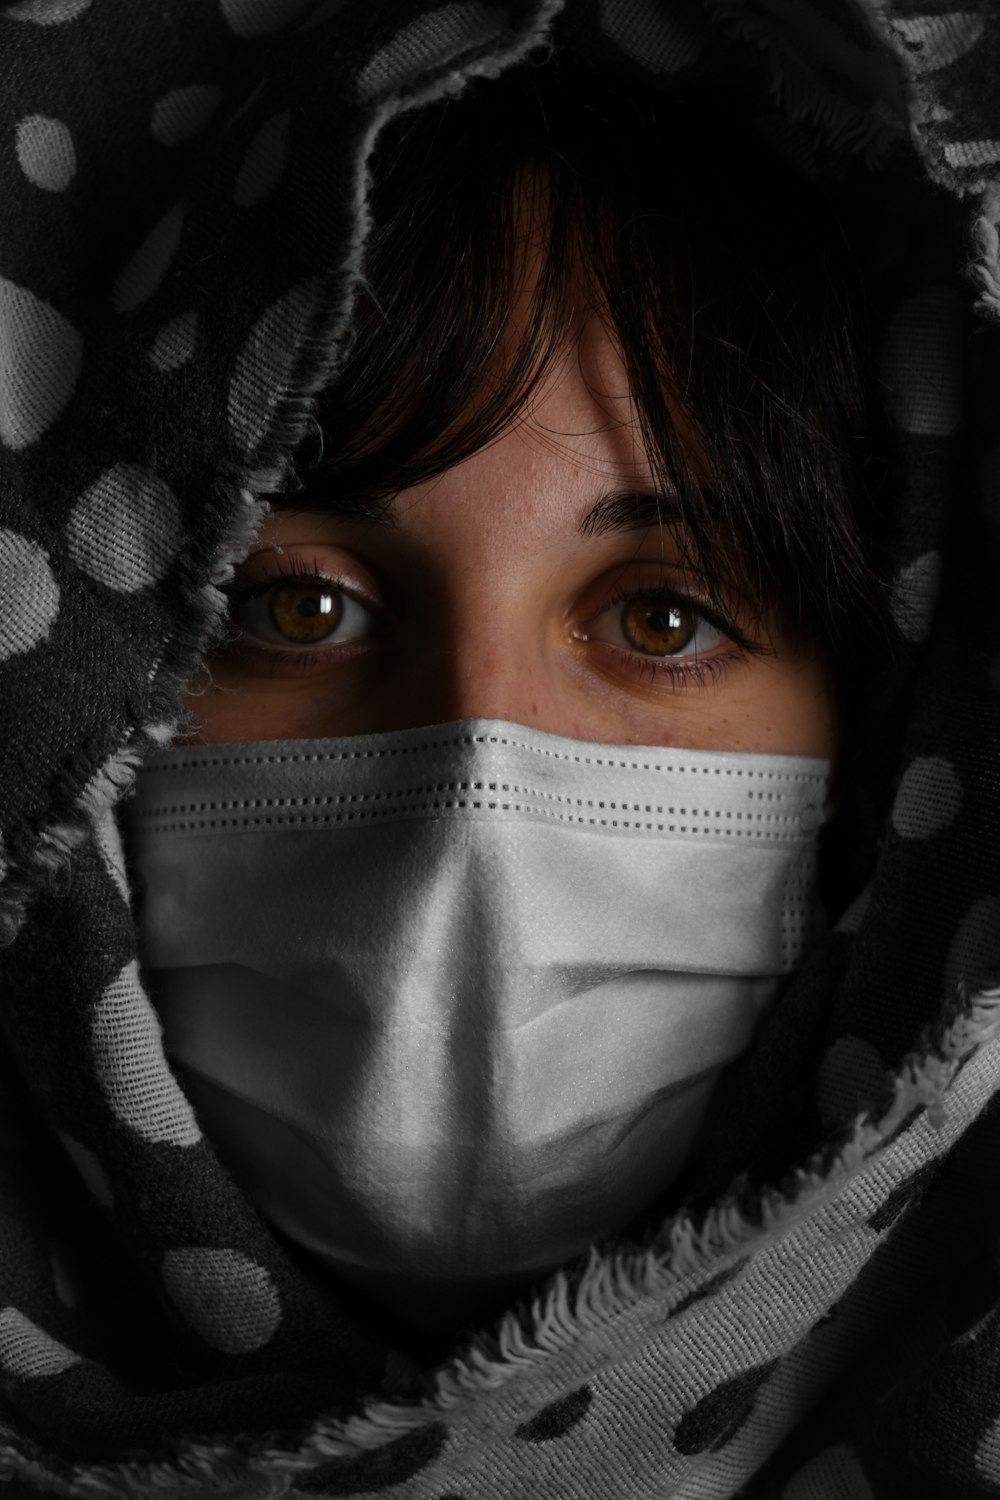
679, 671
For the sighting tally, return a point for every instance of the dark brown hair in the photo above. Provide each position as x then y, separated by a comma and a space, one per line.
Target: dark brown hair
727, 279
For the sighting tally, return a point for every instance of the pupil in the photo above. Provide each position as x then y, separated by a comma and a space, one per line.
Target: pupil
664, 619
304, 612
658, 629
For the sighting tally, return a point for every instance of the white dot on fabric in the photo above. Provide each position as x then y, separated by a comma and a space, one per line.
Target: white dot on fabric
40, 357
27, 1351
45, 152
936, 41
143, 273
834, 1473
974, 955
852, 1078
264, 163
922, 362
260, 17
659, 38
915, 596
427, 42
175, 343
63, 1278
125, 529
228, 1299
46, 12
987, 1457
29, 594
928, 798
267, 362
93, 1175
183, 113
972, 153
138, 1085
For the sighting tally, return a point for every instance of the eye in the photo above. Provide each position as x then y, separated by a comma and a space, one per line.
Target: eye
655, 622
300, 611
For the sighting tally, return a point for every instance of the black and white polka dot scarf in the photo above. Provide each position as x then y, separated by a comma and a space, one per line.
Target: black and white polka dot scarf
183, 187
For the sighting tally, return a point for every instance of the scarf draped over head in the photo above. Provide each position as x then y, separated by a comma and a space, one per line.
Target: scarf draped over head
185, 191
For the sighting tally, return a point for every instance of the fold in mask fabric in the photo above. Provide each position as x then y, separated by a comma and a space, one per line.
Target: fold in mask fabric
451, 1002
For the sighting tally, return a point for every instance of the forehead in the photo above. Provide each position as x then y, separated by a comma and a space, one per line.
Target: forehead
571, 444
570, 463
586, 391
589, 339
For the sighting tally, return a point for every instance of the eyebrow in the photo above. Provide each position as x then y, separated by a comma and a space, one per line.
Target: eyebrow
617, 511
630, 510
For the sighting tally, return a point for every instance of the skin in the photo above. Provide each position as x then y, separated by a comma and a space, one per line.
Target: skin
485, 601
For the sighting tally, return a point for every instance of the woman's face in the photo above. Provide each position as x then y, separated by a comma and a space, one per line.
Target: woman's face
489, 597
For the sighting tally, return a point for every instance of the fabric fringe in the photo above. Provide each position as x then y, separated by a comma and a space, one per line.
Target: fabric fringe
610, 1284
984, 271
15, 1465
49, 863
34, 863
844, 126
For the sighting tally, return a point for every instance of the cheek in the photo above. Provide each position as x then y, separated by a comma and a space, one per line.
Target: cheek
785, 707
806, 704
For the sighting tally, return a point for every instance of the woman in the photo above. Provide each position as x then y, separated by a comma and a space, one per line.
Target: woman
518, 1046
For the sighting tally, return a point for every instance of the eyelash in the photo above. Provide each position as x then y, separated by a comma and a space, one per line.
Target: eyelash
273, 656
679, 673
683, 671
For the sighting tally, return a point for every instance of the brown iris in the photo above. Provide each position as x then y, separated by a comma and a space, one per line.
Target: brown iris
660, 627
305, 612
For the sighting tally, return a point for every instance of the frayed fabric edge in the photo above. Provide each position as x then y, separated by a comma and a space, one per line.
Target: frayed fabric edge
797, 91
611, 1284
14, 1465
49, 862
616, 1281
850, 127
984, 271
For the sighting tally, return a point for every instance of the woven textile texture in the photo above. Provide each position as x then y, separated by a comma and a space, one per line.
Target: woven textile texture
185, 190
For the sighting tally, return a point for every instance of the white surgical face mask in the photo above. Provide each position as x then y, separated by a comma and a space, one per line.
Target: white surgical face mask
451, 1001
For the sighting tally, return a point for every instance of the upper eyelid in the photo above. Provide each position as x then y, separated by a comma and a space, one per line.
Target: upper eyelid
264, 581
698, 606
701, 607
244, 593
239, 590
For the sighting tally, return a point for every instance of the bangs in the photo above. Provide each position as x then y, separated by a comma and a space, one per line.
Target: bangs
725, 280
